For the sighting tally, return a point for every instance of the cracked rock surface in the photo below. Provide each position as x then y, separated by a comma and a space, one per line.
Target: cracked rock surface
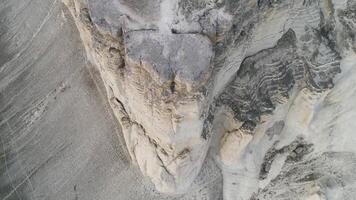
178, 99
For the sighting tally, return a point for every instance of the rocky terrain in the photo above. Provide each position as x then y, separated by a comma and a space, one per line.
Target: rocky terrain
178, 99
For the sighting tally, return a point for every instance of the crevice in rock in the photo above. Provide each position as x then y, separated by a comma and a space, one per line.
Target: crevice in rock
85, 16
164, 166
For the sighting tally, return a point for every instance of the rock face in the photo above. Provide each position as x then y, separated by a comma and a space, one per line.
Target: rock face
162, 99
263, 88
171, 66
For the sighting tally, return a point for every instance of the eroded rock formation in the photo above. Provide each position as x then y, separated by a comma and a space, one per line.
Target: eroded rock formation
246, 77
265, 88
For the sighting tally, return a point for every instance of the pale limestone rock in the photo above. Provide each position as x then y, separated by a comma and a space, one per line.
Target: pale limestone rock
158, 98
162, 77
233, 145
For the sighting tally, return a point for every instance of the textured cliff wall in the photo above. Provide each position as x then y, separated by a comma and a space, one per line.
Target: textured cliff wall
249, 78
262, 88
